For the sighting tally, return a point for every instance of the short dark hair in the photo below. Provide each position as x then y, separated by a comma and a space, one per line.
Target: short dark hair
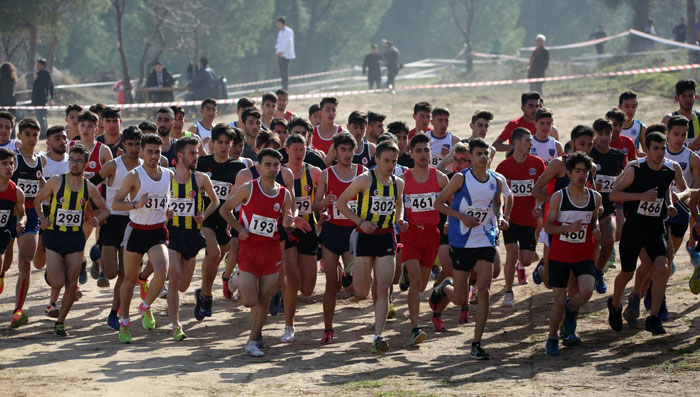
542, 113
482, 114
343, 138
685, 85
422, 107
87, 115
150, 139
278, 121
244, 103
576, 158
654, 137
132, 133
602, 125
475, 143
208, 101
97, 108
300, 121
73, 107
581, 130
221, 129
111, 113
295, 138
147, 126
325, 100
419, 138
177, 110
80, 149
626, 95
440, 111
6, 153
677, 120
616, 115
397, 127
56, 129
269, 97
387, 145
269, 152
250, 112
313, 109
165, 110
181, 143
29, 123
657, 127
203, 60
373, 117
282, 19
529, 96
238, 135
519, 133
266, 137
41, 61
385, 136
357, 118
8, 116
281, 92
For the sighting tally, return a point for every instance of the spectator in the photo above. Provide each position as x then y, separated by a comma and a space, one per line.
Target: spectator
539, 61
680, 31
391, 58
202, 85
284, 50
42, 93
119, 87
598, 34
650, 27
371, 67
496, 45
160, 77
8, 78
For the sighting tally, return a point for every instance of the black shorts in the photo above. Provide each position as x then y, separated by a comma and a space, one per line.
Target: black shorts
64, 243
677, 229
637, 235
141, 240
336, 238
608, 207
464, 259
374, 245
525, 236
188, 242
559, 271
284, 236
112, 232
5, 237
216, 223
306, 243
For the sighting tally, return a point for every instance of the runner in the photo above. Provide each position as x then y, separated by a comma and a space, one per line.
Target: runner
357, 126
335, 233
237, 147
571, 221
476, 192
441, 141
282, 102
400, 130
203, 127
632, 128
179, 123
251, 127
479, 125
97, 109
644, 190
375, 126
326, 129
379, 201
242, 104
11, 208
268, 107
530, 102
301, 248
112, 137
148, 189
543, 145
626, 144
315, 115
421, 116
63, 238
521, 171
7, 127
263, 203
72, 113
184, 227
421, 241
164, 124
300, 126
278, 125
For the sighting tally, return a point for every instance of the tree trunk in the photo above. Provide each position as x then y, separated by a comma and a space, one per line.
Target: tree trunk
52, 51
469, 4
691, 33
31, 55
640, 19
119, 8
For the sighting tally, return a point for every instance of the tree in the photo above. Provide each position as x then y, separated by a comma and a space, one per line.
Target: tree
119, 6
465, 28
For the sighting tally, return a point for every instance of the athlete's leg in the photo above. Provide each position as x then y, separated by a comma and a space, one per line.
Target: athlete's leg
607, 241
40, 256
556, 315
585, 283
659, 278
292, 284
210, 263
456, 294
383, 273
132, 261
8, 257
509, 270
415, 277
26, 246
232, 259
362, 275
158, 256
331, 261
620, 221
73, 262
484, 271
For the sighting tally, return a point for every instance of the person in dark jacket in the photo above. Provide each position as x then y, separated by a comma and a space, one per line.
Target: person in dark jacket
391, 58
42, 93
599, 34
371, 67
160, 77
8, 78
202, 85
539, 61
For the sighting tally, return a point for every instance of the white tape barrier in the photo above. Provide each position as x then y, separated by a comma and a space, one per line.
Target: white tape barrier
302, 76
660, 69
88, 85
664, 41
581, 44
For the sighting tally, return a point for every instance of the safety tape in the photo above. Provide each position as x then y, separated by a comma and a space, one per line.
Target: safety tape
302, 76
583, 43
632, 72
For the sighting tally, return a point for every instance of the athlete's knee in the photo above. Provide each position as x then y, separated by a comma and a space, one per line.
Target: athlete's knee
361, 292
213, 253
248, 301
607, 239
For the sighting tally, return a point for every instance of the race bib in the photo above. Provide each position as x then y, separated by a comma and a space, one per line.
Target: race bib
68, 218
338, 215
650, 208
382, 205
30, 187
421, 202
303, 205
88, 174
480, 214
222, 189
182, 206
157, 203
522, 188
575, 237
4, 217
262, 225
435, 160
606, 181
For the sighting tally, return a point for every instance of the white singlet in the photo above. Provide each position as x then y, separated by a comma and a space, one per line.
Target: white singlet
158, 197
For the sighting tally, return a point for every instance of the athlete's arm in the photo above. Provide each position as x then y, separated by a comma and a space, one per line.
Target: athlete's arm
539, 191
672, 212
361, 184
643, 137
441, 202
549, 226
44, 195
683, 191
554, 133
130, 186
242, 177
105, 154
97, 199
193, 129
288, 177
107, 171
372, 147
19, 210
226, 210
497, 206
618, 194
287, 219
403, 225
329, 158
204, 181
560, 149
501, 146
321, 201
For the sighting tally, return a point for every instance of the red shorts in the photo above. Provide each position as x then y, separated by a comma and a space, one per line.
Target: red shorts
260, 259
422, 243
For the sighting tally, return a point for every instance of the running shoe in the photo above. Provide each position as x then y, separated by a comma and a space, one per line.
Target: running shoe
282, 304
259, 342
404, 282
508, 299
233, 281
94, 270
391, 313
435, 272
288, 336
179, 334
227, 292
536, 277
632, 321
102, 281
694, 255
164, 292
633, 304
252, 349
206, 305
570, 319
124, 334
600, 286
148, 321
379, 346
653, 325
552, 347
663, 311
571, 340
198, 305
82, 279
693, 283
474, 297
78, 293
478, 352
18, 319
346, 278
614, 316
522, 276
647, 298
113, 321
59, 329
327, 337
464, 316
418, 336
51, 310
275, 303
143, 288
439, 293
437, 322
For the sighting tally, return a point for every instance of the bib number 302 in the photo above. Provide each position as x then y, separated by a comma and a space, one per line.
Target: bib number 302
383, 205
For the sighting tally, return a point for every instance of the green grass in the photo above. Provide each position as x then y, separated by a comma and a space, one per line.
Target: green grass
688, 359
362, 384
